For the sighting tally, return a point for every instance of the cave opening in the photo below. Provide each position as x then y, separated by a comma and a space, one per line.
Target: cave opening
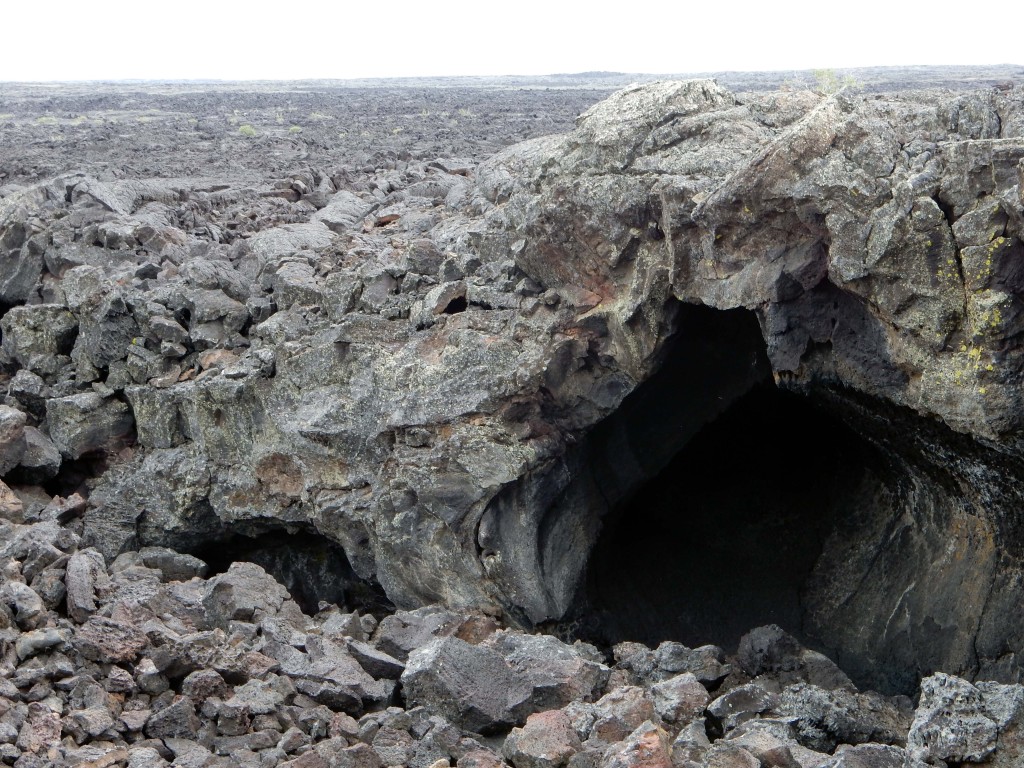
736, 488
456, 305
726, 536
314, 569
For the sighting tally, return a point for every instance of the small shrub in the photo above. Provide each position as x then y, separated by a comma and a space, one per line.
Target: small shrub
828, 81
295, 129
248, 131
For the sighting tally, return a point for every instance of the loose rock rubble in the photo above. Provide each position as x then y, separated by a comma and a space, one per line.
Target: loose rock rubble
422, 346
148, 660
412, 354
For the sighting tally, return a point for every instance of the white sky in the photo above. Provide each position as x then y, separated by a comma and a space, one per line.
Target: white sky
291, 39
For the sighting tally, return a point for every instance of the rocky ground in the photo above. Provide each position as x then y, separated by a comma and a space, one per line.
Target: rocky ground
329, 331
150, 661
259, 131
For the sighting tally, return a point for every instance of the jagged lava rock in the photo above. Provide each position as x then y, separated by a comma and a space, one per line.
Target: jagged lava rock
440, 388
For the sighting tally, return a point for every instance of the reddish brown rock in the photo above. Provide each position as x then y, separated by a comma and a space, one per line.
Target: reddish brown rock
108, 641
41, 730
547, 740
649, 746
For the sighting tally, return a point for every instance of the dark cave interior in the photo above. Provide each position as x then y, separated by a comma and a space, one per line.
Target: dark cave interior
313, 568
724, 533
725, 537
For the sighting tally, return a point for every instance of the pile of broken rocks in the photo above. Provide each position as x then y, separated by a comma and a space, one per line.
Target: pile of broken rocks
149, 661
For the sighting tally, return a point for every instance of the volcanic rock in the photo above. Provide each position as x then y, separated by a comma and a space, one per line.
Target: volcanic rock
434, 368
471, 685
547, 740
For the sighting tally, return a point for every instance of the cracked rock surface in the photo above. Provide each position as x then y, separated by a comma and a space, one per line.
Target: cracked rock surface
457, 364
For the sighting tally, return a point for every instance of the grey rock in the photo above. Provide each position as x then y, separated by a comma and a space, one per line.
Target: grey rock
295, 282
86, 571
470, 685
257, 697
21, 261
81, 284
770, 650
960, 722
867, 756
741, 704
41, 730
167, 329
12, 438
30, 391
119, 680
376, 663
106, 331
393, 746
8, 733
329, 675
41, 459
706, 663
637, 660
39, 337
175, 721
187, 752
680, 699
824, 719
404, 631
204, 684
173, 566
37, 640
456, 461
145, 757
774, 742
558, 673
724, 754
691, 743
245, 592
87, 422
28, 607
343, 211
481, 758
88, 723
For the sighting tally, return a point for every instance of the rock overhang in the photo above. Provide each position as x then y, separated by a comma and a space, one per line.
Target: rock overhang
875, 239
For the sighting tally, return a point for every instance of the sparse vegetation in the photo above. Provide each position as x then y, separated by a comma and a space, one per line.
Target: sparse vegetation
828, 81
295, 129
248, 131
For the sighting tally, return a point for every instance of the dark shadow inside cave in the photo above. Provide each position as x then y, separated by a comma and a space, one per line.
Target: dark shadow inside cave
725, 536
314, 569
